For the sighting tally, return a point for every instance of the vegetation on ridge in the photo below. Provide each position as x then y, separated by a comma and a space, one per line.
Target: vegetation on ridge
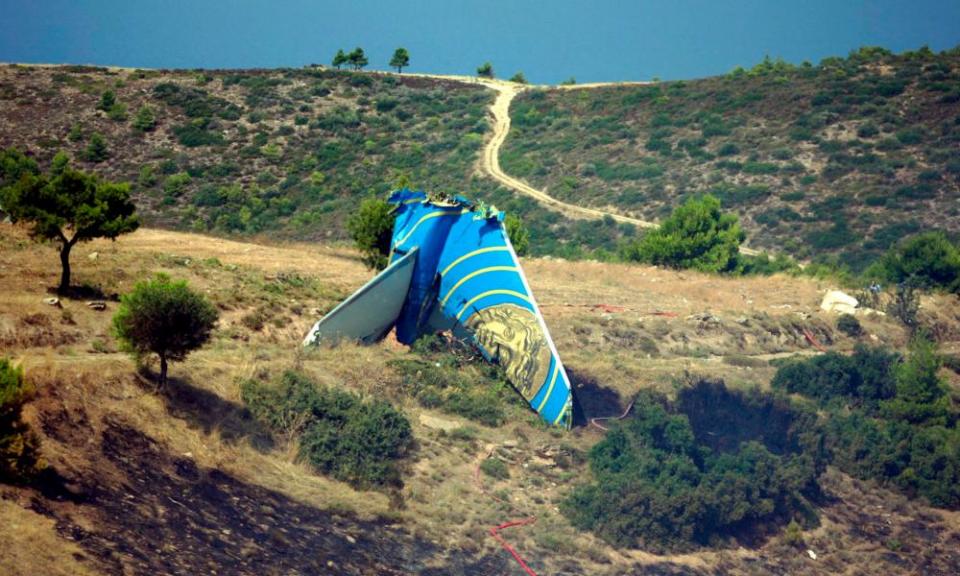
834, 162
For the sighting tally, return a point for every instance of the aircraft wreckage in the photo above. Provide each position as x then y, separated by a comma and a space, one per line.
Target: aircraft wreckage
452, 268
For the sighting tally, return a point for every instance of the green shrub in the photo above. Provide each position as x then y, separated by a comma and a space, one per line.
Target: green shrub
19, 446
371, 228
450, 376
728, 149
863, 380
107, 100
176, 184
495, 468
793, 535
921, 396
198, 132
340, 434
656, 487
927, 260
885, 420
96, 150
867, 130
145, 120
519, 78
909, 136
696, 235
165, 318
517, 233
485, 70
117, 112
849, 325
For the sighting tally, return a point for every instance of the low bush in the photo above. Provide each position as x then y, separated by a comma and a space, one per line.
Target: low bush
887, 420
862, 380
849, 325
495, 468
927, 260
19, 446
448, 378
352, 439
657, 487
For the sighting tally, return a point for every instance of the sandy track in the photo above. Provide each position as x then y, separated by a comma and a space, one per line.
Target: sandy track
500, 110
490, 161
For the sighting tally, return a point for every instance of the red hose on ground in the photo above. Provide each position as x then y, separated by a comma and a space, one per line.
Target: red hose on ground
594, 421
813, 340
495, 531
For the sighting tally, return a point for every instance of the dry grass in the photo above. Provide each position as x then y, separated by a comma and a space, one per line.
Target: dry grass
200, 415
32, 546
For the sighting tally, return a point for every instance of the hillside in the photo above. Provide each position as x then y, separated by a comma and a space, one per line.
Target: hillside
832, 162
184, 480
285, 151
837, 160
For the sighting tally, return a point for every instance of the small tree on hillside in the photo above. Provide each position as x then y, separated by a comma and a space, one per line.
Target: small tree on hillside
145, 120
927, 260
922, 396
696, 235
517, 233
19, 447
107, 101
401, 58
519, 78
96, 150
485, 70
69, 208
163, 317
358, 59
340, 59
371, 227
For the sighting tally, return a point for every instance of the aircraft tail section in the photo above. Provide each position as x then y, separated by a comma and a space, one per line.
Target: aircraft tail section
370, 312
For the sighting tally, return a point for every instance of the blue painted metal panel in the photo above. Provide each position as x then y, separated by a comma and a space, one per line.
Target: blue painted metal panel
466, 278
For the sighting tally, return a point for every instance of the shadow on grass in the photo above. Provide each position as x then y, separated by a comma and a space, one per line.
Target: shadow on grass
84, 292
208, 411
592, 399
168, 515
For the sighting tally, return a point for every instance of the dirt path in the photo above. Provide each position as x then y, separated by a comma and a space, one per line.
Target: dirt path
500, 109
490, 161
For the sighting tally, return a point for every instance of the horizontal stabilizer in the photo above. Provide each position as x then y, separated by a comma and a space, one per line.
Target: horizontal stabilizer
370, 312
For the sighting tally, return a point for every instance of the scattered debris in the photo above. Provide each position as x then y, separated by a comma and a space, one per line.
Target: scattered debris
705, 320
53, 302
93, 256
839, 302
812, 554
97, 305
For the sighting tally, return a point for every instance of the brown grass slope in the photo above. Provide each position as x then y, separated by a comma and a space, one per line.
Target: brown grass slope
184, 481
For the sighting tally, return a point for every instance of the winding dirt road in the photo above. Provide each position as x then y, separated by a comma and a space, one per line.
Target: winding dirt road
490, 161
500, 109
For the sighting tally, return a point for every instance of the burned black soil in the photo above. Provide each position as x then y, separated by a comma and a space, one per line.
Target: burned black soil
722, 419
166, 515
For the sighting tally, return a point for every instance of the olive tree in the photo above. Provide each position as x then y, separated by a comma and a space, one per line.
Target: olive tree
163, 317
69, 206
